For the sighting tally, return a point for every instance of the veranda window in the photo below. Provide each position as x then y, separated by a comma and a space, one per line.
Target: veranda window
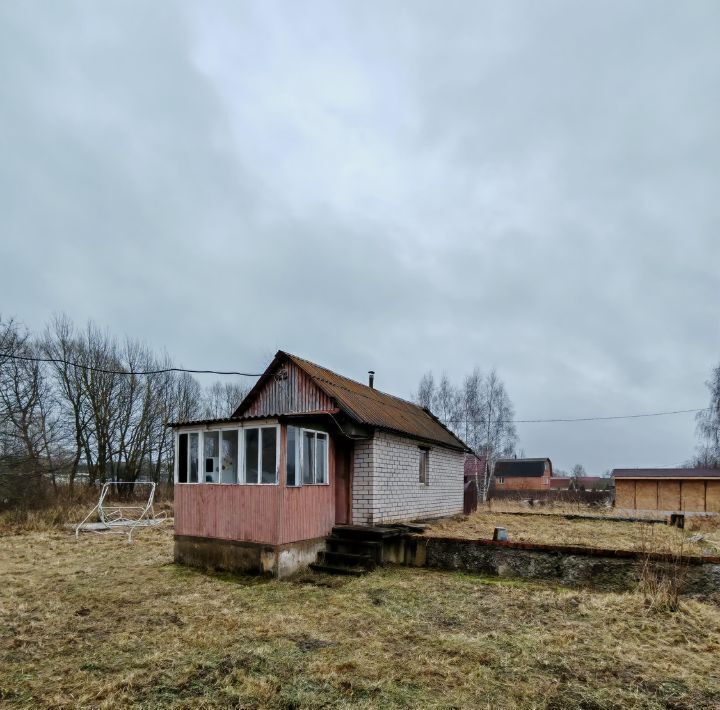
261, 454
307, 457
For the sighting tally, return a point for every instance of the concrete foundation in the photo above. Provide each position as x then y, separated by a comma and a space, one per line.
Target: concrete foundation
246, 557
569, 565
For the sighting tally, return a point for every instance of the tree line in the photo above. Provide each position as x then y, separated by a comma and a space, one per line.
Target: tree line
58, 420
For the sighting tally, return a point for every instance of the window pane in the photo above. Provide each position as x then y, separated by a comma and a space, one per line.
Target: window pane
228, 462
194, 453
269, 455
308, 457
321, 454
211, 457
291, 478
182, 458
251, 455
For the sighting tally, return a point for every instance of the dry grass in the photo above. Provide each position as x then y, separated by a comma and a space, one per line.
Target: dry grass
100, 623
556, 530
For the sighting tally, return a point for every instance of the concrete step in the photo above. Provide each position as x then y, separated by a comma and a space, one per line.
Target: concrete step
346, 559
366, 532
369, 548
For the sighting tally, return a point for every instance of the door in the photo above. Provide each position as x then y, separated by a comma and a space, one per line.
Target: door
343, 483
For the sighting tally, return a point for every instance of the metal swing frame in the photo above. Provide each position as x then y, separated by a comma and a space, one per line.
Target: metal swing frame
122, 519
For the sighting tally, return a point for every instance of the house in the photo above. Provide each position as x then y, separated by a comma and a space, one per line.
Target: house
521, 475
669, 490
306, 450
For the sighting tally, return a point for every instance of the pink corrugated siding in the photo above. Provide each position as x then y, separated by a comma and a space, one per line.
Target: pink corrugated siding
296, 393
309, 511
229, 512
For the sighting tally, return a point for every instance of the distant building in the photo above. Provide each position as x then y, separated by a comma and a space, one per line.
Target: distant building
668, 490
521, 475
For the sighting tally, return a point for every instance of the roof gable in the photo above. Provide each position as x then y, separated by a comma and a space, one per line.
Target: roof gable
319, 389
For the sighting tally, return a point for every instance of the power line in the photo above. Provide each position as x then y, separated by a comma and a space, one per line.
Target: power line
104, 371
579, 419
139, 373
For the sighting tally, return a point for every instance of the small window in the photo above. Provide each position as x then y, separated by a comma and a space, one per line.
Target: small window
268, 459
425, 467
307, 457
211, 451
261, 455
194, 457
229, 457
291, 465
500, 480
252, 450
182, 458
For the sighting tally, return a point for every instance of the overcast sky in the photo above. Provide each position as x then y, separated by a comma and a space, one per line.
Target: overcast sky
400, 186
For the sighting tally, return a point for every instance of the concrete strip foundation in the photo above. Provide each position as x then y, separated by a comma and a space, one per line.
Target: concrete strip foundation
246, 557
568, 565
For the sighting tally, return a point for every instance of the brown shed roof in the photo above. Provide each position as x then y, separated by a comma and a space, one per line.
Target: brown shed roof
367, 405
666, 473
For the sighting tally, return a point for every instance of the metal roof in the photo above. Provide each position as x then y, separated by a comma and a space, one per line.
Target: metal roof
521, 468
370, 406
666, 473
364, 404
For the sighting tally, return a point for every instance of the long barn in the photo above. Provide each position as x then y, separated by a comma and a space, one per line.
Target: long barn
669, 490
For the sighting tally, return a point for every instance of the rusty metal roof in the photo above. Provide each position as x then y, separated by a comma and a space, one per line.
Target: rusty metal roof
365, 404
666, 473
385, 411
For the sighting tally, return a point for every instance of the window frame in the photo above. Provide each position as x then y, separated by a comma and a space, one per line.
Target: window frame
299, 457
176, 463
259, 482
240, 475
424, 457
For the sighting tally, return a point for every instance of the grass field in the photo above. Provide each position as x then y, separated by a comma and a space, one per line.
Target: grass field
100, 623
609, 534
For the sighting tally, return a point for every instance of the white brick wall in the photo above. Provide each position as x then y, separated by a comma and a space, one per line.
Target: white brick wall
386, 486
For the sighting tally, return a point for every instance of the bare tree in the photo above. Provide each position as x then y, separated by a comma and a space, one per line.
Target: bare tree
221, 399
425, 396
708, 426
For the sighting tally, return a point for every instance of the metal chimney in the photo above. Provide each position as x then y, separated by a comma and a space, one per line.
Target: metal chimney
371, 378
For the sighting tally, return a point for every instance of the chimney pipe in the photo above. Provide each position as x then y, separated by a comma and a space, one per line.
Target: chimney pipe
371, 378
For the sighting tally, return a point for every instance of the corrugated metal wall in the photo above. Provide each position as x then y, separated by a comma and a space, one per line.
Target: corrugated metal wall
295, 393
228, 512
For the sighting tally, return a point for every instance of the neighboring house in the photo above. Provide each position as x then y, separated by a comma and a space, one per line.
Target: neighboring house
521, 475
307, 449
668, 489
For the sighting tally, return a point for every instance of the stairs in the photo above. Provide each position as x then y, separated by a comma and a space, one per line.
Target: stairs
354, 549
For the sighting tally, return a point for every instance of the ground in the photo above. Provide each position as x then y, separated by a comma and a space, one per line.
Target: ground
101, 623
556, 530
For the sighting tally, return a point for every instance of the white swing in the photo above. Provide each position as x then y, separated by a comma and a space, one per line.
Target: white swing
121, 516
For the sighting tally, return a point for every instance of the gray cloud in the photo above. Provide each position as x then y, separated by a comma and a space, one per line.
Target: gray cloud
419, 185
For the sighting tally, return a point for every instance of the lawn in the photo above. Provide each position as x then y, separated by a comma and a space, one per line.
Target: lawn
609, 534
101, 623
